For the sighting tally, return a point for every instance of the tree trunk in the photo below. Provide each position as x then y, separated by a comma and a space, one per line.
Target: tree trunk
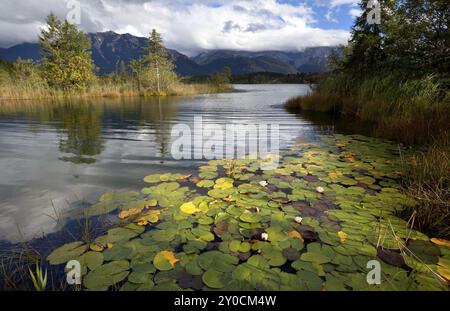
157, 77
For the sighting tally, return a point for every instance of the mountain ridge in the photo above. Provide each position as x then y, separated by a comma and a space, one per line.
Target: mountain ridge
110, 48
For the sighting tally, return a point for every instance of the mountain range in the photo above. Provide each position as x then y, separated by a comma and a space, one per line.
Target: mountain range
110, 48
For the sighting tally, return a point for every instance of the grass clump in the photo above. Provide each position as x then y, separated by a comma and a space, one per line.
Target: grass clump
427, 179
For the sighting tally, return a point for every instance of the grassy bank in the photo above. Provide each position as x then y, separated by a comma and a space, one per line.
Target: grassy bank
25, 91
413, 112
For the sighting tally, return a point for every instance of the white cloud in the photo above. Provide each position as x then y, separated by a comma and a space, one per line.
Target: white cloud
355, 12
188, 26
335, 3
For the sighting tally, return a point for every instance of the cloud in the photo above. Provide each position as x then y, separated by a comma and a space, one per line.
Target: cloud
188, 26
355, 12
335, 3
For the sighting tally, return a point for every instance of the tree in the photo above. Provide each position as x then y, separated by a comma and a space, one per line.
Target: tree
26, 73
65, 55
222, 77
412, 41
365, 53
157, 74
137, 69
122, 72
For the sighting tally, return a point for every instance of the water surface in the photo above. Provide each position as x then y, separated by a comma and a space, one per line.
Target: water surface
57, 157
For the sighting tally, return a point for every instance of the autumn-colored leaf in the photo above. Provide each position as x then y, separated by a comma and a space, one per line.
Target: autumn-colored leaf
228, 198
444, 272
295, 234
440, 242
334, 175
342, 235
170, 257
128, 213
348, 156
185, 177
141, 221
96, 247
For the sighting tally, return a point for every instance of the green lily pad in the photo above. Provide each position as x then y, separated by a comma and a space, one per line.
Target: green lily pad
214, 279
250, 217
66, 253
106, 275
317, 258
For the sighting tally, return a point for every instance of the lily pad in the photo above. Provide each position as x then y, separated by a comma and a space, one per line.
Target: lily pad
67, 252
214, 279
165, 260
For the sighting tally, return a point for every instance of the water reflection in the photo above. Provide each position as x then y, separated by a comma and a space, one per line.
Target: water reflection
82, 132
79, 123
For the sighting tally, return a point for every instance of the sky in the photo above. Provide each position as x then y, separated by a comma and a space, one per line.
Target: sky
191, 26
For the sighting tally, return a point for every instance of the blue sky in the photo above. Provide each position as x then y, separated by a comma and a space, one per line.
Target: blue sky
331, 14
194, 26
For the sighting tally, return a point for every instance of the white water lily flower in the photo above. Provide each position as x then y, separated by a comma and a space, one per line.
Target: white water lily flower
298, 219
263, 183
320, 189
264, 236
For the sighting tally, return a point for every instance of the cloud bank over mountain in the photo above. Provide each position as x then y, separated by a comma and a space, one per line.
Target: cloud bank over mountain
190, 26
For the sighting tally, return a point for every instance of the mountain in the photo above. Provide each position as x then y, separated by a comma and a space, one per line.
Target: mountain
24, 51
245, 65
312, 59
110, 48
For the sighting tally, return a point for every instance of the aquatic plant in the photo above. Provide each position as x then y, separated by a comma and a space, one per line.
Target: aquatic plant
39, 278
235, 232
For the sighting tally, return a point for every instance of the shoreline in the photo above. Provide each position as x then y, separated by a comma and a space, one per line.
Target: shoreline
114, 92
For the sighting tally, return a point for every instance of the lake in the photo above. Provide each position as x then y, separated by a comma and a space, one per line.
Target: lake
59, 156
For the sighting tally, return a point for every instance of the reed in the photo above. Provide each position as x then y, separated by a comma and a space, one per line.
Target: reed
26, 91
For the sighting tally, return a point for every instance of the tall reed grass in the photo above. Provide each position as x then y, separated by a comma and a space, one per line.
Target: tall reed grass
27, 91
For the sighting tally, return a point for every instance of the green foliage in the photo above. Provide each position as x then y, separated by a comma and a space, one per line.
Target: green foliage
154, 73
39, 278
6, 69
66, 56
410, 42
222, 77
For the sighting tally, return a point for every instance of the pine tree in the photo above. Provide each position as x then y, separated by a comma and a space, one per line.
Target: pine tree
65, 55
365, 53
159, 73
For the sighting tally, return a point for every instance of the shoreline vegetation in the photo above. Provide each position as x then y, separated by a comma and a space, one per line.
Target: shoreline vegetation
396, 75
66, 70
106, 89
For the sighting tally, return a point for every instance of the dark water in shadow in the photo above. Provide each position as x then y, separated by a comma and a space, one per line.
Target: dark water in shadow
64, 155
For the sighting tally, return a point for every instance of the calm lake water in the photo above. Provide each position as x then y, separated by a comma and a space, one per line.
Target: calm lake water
56, 157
